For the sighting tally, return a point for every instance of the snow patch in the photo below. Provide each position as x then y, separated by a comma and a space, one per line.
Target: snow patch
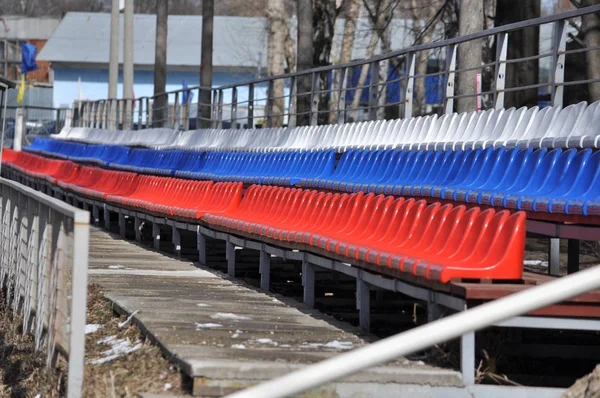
202, 305
239, 346
168, 386
124, 323
536, 263
116, 267
229, 316
200, 326
336, 345
119, 347
267, 341
92, 328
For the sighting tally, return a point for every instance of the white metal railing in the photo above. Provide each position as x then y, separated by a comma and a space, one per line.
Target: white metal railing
44, 246
428, 335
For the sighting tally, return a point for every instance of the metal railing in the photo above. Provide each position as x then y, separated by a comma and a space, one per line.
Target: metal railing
392, 85
35, 121
426, 336
43, 269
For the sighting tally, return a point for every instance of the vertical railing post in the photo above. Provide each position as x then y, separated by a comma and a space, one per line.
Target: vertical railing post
213, 113
374, 90
559, 45
269, 113
220, 110
251, 105
341, 105
292, 104
500, 83
410, 85
314, 100
233, 108
450, 78
186, 114
176, 110
140, 113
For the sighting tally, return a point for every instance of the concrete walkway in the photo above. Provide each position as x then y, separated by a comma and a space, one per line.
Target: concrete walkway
226, 334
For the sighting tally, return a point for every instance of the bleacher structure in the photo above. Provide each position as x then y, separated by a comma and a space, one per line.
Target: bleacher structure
436, 208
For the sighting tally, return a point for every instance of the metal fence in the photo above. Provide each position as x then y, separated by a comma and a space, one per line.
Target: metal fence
37, 121
387, 86
43, 269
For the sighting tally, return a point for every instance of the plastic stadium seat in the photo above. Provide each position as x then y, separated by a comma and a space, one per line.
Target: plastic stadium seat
434, 241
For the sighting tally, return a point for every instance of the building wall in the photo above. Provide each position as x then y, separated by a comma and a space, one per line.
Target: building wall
94, 83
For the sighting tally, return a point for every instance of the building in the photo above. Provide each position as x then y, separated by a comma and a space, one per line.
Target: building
79, 52
15, 30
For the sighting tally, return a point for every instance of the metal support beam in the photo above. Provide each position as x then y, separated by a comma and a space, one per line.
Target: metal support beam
363, 303
573, 256
201, 245
176, 240
467, 358
122, 225
106, 218
434, 311
308, 282
230, 256
156, 235
450, 77
374, 91
137, 225
559, 45
314, 100
410, 85
95, 214
501, 52
554, 256
265, 270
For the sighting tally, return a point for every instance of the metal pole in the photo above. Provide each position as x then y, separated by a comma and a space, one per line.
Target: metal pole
206, 63
128, 64
425, 336
160, 59
113, 66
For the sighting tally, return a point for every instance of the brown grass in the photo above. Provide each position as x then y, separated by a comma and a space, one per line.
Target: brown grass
23, 371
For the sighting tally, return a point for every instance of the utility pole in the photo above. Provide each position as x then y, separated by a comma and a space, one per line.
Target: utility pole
304, 60
128, 65
160, 63
113, 66
206, 64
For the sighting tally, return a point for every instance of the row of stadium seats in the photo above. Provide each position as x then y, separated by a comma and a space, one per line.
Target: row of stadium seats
550, 181
436, 242
552, 127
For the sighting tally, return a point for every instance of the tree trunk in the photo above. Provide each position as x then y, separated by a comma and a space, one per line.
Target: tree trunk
304, 60
345, 54
206, 65
160, 61
276, 52
421, 17
521, 43
379, 25
469, 53
591, 35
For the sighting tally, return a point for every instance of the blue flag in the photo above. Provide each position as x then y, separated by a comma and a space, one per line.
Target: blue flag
184, 93
28, 52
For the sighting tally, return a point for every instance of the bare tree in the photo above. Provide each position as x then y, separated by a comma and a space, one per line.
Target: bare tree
352, 11
382, 13
278, 30
304, 60
522, 43
424, 17
591, 35
469, 53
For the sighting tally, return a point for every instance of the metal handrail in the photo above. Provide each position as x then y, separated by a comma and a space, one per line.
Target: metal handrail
44, 246
177, 115
426, 336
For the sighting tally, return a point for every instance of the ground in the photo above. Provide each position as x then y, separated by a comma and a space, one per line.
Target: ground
23, 372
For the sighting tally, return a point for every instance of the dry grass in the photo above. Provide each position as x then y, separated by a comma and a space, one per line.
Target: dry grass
23, 372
